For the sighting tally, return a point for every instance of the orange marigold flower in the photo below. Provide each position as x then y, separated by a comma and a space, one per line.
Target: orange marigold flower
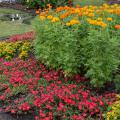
117, 26
80, 14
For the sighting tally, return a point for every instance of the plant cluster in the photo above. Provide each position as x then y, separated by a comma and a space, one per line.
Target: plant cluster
114, 110
43, 3
89, 2
81, 39
9, 50
30, 87
22, 37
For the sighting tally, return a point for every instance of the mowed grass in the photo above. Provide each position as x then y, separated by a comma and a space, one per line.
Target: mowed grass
8, 28
8, 11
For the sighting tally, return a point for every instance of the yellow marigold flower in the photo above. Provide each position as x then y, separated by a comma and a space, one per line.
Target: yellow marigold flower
72, 22
88, 19
42, 17
109, 19
91, 15
68, 24
103, 24
50, 17
55, 19
85, 13
77, 10
110, 11
99, 19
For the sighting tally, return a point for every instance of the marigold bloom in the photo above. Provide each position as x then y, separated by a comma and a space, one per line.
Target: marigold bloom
42, 17
72, 22
50, 17
109, 19
99, 19
117, 26
55, 19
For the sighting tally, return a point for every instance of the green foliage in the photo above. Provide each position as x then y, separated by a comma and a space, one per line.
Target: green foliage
90, 47
56, 46
88, 2
43, 3
102, 53
18, 89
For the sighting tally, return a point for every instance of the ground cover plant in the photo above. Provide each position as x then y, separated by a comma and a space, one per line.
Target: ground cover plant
30, 87
81, 39
17, 46
114, 110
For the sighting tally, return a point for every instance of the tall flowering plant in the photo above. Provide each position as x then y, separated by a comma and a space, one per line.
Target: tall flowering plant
71, 38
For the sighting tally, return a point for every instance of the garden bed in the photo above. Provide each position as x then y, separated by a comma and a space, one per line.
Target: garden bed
67, 70
29, 81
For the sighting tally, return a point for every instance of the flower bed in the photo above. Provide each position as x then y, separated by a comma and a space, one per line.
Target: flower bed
9, 50
114, 110
17, 46
22, 37
30, 87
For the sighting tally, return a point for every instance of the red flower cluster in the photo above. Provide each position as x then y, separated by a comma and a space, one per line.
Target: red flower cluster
25, 36
28, 86
24, 107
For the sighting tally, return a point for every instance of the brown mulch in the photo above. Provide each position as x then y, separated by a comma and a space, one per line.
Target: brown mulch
6, 116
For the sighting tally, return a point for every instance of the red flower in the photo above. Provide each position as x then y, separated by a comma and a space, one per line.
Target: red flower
2, 97
42, 114
24, 107
13, 111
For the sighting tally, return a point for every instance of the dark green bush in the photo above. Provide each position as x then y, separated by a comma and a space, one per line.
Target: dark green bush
93, 48
43, 3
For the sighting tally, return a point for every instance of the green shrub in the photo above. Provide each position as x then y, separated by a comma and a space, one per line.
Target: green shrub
88, 2
56, 46
43, 3
93, 48
102, 53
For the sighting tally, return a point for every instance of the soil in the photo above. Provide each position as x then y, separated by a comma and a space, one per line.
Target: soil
17, 6
6, 116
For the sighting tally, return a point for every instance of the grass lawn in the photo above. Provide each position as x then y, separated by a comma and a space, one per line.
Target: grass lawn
8, 28
8, 11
